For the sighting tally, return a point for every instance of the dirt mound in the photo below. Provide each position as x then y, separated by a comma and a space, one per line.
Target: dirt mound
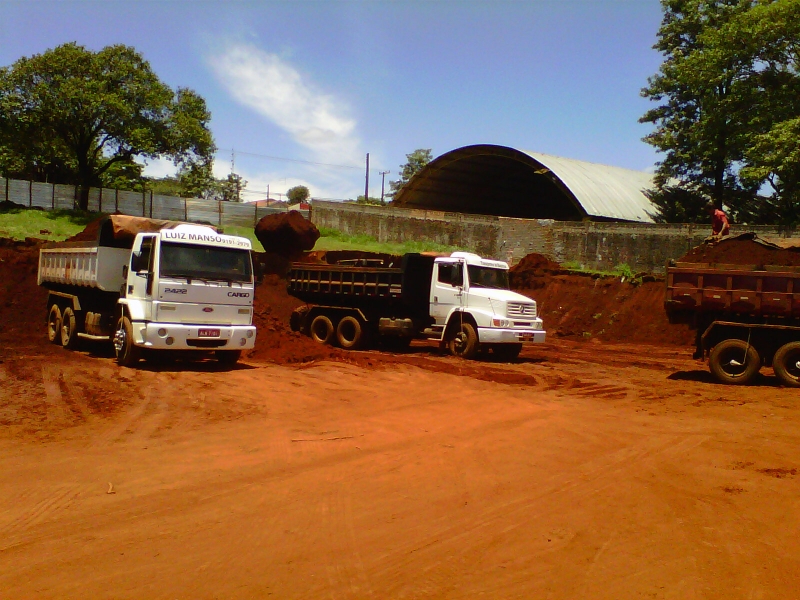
22, 301
529, 273
584, 306
745, 249
286, 234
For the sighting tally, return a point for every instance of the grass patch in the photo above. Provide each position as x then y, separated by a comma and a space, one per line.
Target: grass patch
19, 223
333, 239
621, 270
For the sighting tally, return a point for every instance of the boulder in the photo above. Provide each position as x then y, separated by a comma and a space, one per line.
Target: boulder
286, 234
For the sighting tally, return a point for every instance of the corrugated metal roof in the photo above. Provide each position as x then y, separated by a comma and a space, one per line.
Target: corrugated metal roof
491, 179
602, 190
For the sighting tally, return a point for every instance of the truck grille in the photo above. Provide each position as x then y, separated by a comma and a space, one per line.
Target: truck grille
519, 309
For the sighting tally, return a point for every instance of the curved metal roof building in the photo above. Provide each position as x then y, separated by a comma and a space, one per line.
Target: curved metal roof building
498, 180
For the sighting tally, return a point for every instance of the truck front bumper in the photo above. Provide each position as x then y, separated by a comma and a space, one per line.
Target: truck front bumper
172, 336
496, 335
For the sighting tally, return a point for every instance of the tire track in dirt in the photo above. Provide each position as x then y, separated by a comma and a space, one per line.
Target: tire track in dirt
31, 512
481, 528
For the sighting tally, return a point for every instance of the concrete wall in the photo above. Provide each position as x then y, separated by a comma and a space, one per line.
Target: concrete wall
603, 246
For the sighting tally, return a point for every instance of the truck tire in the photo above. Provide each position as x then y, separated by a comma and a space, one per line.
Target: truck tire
465, 341
127, 353
69, 329
228, 358
507, 352
350, 333
786, 364
54, 324
321, 330
734, 362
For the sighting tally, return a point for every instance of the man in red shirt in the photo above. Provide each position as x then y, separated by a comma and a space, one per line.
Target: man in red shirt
719, 221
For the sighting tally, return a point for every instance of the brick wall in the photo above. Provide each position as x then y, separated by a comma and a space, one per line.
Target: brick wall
642, 246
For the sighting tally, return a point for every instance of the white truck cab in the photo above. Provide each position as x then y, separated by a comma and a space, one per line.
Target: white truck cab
187, 288
470, 285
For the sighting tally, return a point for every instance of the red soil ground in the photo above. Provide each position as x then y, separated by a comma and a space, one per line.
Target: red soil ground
582, 470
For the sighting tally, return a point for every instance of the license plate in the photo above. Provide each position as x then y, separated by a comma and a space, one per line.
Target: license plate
525, 337
208, 333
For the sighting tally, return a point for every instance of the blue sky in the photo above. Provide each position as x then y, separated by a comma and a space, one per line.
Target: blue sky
300, 91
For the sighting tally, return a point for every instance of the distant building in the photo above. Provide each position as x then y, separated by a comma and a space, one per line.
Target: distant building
502, 181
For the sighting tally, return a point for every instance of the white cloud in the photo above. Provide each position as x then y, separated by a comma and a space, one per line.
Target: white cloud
274, 89
158, 167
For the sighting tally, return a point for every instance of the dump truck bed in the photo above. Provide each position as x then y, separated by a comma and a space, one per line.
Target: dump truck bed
83, 265
733, 289
403, 290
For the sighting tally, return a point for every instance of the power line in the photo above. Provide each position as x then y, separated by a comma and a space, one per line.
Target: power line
292, 160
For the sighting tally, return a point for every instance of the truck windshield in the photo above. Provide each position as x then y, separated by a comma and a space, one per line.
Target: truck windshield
485, 277
205, 262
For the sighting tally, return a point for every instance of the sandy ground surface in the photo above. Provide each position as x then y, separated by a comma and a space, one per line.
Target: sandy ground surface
584, 470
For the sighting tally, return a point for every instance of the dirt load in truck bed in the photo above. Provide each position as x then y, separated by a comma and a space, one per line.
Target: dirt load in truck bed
745, 249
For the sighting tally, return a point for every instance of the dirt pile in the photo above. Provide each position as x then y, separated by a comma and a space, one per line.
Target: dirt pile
531, 272
22, 301
745, 249
584, 306
286, 234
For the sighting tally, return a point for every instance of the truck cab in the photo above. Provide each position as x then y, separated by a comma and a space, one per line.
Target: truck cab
187, 288
466, 288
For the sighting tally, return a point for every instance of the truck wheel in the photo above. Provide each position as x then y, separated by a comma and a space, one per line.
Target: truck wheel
465, 342
54, 324
350, 333
127, 353
228, 358
69, 329
321, 330
507, 352
786, 364
734, 362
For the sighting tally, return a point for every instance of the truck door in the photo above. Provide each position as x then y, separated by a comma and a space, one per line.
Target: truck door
141, 275
447, 290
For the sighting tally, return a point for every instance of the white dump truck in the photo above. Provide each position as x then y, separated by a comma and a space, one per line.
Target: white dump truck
151, 286
461, 300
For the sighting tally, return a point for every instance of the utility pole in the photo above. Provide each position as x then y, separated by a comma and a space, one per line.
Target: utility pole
366, 186
383, 176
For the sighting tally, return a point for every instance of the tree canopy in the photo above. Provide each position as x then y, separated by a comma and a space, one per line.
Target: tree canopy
298, 194
729, 109
415, 162
71, 115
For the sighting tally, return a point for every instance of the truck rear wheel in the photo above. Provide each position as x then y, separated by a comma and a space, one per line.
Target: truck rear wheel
127, 353
54, 324
786, 364
69, 329
350, 333
321, 330
465, 341
734, 362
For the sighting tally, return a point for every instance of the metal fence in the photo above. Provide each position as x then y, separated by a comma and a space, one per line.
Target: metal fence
50, 196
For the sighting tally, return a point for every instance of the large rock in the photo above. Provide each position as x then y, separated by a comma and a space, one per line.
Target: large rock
287, 234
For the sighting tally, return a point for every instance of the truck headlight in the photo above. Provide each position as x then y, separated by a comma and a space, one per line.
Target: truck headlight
500, 323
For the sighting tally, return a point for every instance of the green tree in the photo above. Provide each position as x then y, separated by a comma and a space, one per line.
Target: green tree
730, 102
70, 115
698, 123
298, 194
230, 188
415, 162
